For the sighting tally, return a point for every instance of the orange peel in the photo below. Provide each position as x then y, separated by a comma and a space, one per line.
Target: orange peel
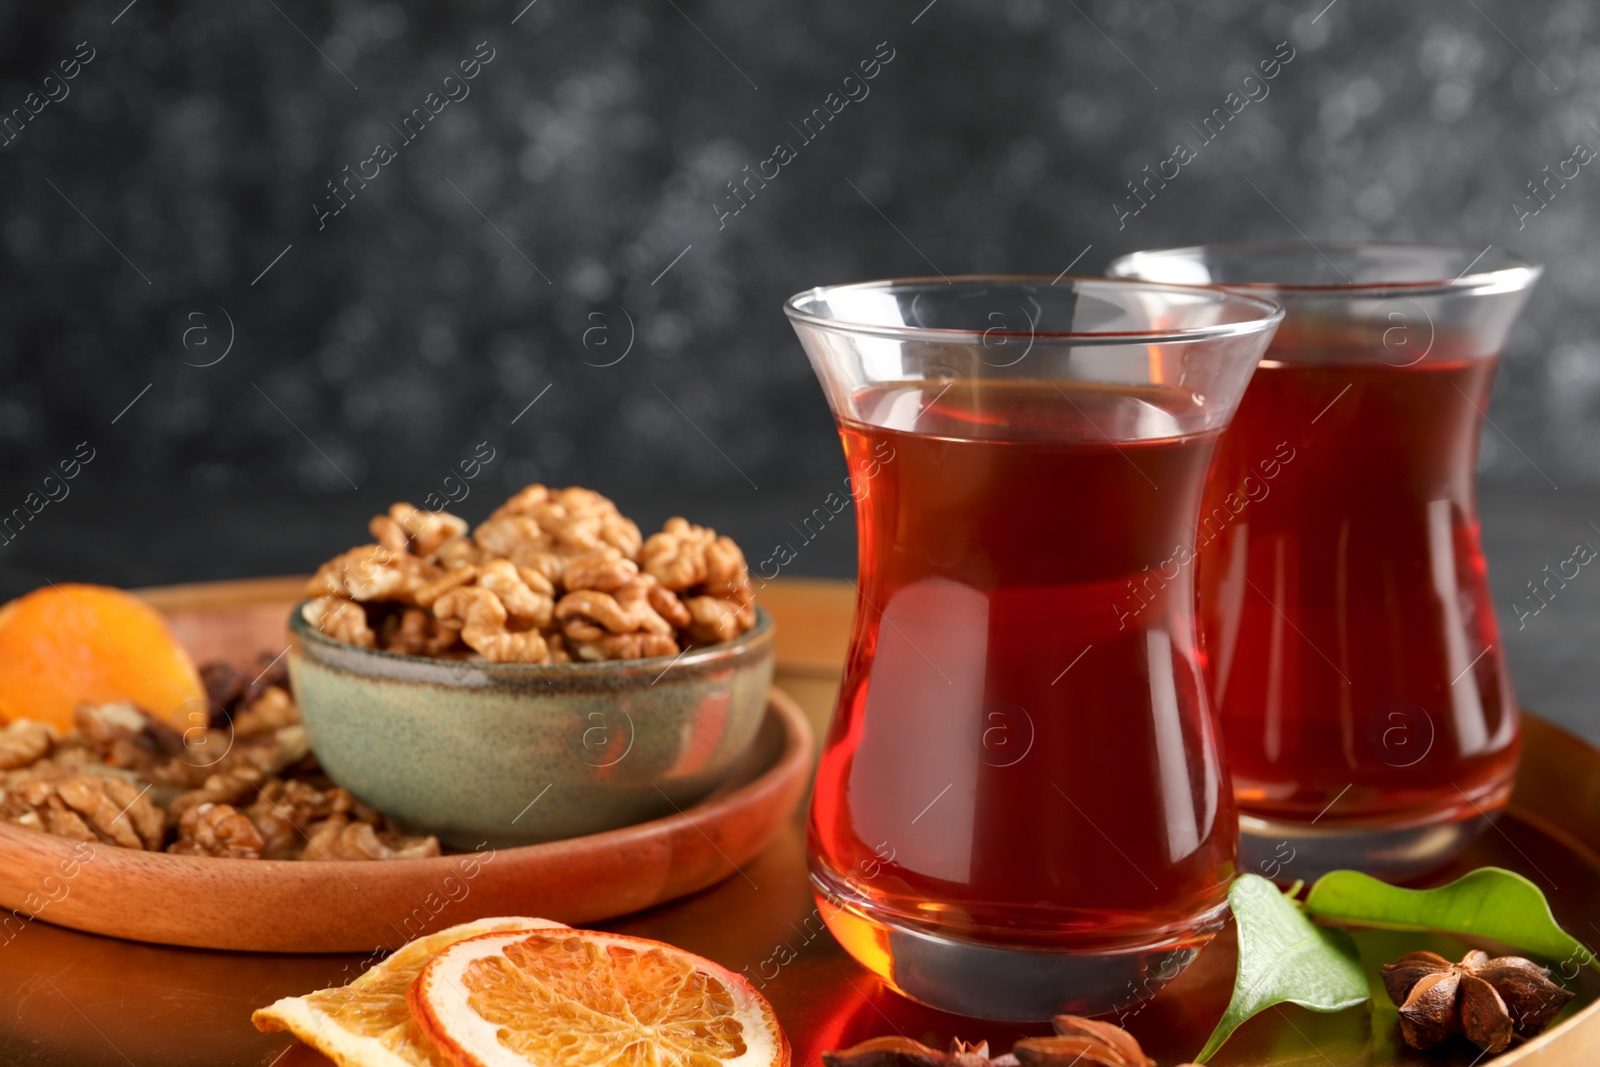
66, 645
581, 996
367, 1023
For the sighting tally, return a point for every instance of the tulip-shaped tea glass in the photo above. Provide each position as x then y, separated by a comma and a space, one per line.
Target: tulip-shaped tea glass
1350, 642
1021, 807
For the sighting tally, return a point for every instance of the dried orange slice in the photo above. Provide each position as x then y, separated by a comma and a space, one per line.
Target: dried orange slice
367, 1023
66, 645
571, 997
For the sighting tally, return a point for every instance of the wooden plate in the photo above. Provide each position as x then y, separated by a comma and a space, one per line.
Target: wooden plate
284, 906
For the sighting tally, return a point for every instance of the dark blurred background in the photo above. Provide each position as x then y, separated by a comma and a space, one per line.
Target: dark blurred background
256, 373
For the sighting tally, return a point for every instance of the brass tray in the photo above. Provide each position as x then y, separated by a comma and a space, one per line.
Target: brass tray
73, 998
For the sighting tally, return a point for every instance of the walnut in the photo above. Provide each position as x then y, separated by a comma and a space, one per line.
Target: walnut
569, 521
727, 575
120, 813
416, 632
538, 581
627, 611
553, 575
389, 533
509, 646
450, 580
715, 620
711, 574
204, 751
283, 811
337, 838
640, 597
521, 601
578, 629
123, 736
410, 529
214, 757
24, 742
514, 537
217, 830
637, 645
620, 533
461, 552
72, 751
666, 603
341, 620
229, 787
602, 571
271, 711
620, 625
371, 572
676, 557
694, 560
591, 515
469, 605
547, 565
482, 618
281, 839
522, 501
520, 539
29, 798
271, 753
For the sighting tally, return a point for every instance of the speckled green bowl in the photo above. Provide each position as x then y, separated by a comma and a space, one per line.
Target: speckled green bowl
512, 753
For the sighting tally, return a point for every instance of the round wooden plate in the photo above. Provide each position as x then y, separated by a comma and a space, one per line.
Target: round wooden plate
295, 906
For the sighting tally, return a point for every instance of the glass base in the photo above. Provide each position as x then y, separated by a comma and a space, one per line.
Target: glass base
1003, 982
1290, 851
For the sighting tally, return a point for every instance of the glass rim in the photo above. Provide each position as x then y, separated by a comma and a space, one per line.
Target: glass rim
1514, 274
1272, 312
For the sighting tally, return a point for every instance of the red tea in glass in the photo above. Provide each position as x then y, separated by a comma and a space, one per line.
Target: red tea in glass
1351, 645
977, 544
1020, 807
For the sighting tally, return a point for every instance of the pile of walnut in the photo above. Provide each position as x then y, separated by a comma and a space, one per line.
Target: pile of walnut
553, 576
243, 785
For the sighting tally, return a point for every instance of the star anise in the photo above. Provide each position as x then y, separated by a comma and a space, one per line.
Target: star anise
1486, 1000
1077, 1041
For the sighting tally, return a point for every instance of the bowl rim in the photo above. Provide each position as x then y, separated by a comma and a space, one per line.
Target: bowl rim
704, 655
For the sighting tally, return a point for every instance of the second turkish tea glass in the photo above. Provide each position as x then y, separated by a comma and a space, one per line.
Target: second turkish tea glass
1345, 613
1021, 808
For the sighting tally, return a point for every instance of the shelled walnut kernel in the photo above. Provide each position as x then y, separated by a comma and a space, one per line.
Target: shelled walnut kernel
249, 789
552, 576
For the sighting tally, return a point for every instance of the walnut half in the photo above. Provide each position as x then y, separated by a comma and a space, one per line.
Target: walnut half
23, 742
337, 838
85, 807
217, 830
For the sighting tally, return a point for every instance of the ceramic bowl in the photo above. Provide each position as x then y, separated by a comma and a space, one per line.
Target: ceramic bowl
515, 753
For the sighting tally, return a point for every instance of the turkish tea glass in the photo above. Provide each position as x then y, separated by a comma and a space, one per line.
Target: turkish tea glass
1350, 642
1021, 807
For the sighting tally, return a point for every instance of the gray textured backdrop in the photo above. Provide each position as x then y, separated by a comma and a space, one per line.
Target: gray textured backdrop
596, 146
575, 196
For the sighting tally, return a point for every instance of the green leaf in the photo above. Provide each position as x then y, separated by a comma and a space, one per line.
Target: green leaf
1284, 958
1490, 902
